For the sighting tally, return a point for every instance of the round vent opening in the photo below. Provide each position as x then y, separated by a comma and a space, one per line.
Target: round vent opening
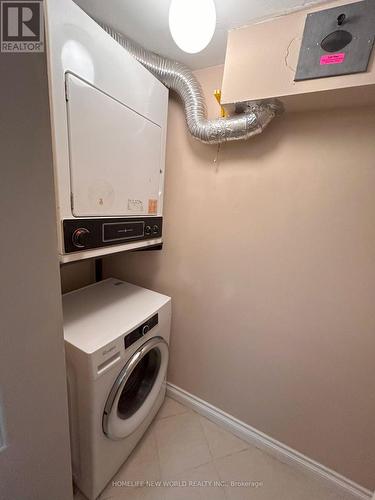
336, 40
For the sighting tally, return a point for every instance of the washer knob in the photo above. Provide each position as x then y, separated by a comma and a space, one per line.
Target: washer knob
145, 329
148, 230
79, 237
155, 229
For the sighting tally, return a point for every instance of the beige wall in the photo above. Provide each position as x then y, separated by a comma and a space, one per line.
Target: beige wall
270, 260
77, 274
35, 461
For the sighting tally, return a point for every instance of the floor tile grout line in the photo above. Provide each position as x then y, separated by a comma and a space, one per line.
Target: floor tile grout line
226, 491
247, 445
157, 449
200, 418
173, 415
225, 488
205, 437
212, 457
206, 441
187, 409
191, 469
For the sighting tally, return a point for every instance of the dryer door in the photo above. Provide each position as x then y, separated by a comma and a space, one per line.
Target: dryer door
115, 154
136, 389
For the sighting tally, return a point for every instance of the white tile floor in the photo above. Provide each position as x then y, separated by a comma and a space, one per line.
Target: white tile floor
183, 447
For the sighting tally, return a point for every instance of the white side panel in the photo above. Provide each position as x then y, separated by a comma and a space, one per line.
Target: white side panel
34, 441
114, 154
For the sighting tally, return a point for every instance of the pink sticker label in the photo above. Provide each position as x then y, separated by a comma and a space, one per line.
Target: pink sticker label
332, 58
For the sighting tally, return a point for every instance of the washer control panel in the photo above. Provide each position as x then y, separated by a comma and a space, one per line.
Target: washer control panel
85, 234
141, 331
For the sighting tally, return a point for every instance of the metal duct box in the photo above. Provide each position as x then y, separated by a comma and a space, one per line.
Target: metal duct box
337, 41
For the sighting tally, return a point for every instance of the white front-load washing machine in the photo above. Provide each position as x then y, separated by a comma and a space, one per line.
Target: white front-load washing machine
116, 342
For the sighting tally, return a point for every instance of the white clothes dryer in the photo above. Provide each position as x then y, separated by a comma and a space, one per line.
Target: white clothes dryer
116, 341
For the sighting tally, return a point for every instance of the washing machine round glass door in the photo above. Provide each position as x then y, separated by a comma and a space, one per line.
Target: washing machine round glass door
136, 389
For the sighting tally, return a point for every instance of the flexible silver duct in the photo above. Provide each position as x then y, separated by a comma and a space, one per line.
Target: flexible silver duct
179, 78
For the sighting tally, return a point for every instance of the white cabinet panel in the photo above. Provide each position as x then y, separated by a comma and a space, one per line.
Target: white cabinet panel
115, 155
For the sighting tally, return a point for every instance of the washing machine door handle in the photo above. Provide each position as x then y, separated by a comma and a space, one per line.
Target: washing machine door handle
125, 374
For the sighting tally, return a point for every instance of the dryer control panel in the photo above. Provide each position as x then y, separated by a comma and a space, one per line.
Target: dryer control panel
85, 234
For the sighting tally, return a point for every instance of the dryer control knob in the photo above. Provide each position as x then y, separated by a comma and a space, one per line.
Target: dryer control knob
155, 229
148, 230
145, 329
79, 237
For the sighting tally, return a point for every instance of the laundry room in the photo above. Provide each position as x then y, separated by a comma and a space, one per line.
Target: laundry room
188, 250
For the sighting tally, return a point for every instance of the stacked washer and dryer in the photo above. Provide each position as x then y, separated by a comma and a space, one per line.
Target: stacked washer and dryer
108, 124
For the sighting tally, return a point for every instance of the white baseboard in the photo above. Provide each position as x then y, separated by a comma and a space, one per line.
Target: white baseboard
268, 444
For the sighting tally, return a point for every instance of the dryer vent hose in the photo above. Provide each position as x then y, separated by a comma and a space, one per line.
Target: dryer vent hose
180, 79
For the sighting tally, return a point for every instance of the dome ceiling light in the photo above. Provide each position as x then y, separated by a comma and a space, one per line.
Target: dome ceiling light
192, 23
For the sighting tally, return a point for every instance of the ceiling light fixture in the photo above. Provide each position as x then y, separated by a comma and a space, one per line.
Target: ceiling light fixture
192, 23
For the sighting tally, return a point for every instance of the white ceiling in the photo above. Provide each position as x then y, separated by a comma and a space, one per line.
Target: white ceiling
146, 21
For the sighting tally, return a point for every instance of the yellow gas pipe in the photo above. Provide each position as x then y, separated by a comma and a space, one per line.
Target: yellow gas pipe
217, 95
